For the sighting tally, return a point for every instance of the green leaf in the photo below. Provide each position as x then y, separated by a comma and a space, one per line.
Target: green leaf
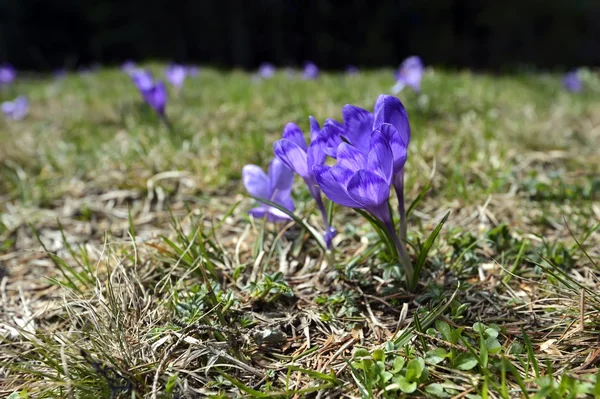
170, 385
331, 378
386, 376
398, 364
425, 250
360, 353
445, 329
420, 197
492, 345
483, 350
414, 369
465, 361
491, 333
436, 356
479, 327
436, 390
405, 385
382, 232
379, 354
516, 348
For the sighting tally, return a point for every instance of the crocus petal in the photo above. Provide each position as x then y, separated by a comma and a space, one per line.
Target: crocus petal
332, 188
331, 134
314, 128
293, 133
272, 214
281, 178
255, 181
316, 153
398, 146
293, 156
388, 109
8, 107
350, 157
276, 216
358, 125
285, 200
175, 74
342, 175
156, 97
142, 79
381, 158
368, 189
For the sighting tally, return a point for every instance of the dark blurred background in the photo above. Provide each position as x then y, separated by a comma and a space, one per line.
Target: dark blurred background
483, 34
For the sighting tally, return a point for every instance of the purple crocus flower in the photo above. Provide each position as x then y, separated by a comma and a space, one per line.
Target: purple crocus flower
276, 187
156, 97
128, 66
390, 118
409, 74
266, 70
311, 71
175, 75
142, 79
572, 82
154, 93
17, 109
7, 74
296, 155
369, 161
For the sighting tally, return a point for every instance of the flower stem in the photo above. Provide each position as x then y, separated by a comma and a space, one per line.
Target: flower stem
399, 188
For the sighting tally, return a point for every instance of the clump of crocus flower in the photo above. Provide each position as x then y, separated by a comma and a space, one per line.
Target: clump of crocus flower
153, 92
370, 149
266, 70
311, 71
7, 74
16, 109
572, 82
293, 151
275, 187
409, 74
175, 75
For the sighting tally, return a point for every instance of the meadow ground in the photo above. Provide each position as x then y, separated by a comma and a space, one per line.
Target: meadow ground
129, 266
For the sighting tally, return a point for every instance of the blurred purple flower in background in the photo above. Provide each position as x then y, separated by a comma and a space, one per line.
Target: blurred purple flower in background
311, 71
351, 70
266, 70
296, 155
143, 79
572, 82
7, 74
17, 109
276, 187
128, 66
154, 93
409, 74
175, 74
